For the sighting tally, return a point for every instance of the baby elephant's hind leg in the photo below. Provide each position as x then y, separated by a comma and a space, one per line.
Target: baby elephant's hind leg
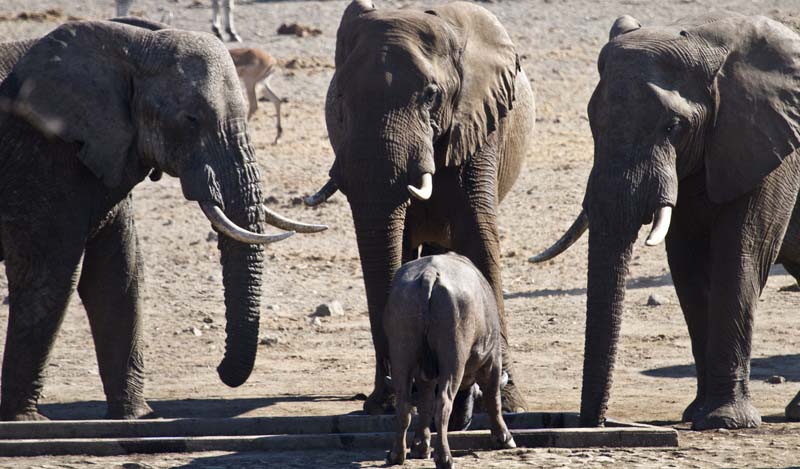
489, 382
421, 446
401, 377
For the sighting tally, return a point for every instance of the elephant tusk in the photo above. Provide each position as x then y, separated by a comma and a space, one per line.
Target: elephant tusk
574, 232
279, 221
225, 226
660, 226
322, 195
425, 190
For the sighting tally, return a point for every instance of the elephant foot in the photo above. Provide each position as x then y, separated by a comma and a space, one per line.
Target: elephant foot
29, 416
130, 410
732, 415
793, 409
693, 409
379, 402
511, 398
420, 448
445, 462
395, 458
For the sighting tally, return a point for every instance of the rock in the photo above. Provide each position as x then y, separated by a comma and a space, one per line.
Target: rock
273, 307
269, 340
297, 201
212, 237
197, 332
776, 379
271, 200
315, 321
208, 320
654, 300
299, 30
334, 308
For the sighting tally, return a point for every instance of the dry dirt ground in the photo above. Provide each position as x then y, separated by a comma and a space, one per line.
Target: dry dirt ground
316, 369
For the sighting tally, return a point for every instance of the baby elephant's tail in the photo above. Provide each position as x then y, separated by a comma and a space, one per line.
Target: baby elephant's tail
430, 364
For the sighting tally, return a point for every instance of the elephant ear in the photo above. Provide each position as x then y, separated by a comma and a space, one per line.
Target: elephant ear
489, 66
71, 85
757, 90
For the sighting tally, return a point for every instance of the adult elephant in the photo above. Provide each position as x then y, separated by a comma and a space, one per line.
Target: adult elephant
87, 112
429, 115
702, 116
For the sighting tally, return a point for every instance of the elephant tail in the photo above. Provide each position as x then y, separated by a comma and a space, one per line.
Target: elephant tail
430, 363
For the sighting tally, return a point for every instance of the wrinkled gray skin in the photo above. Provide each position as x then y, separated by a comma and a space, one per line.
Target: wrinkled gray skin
86, 129
436, 91
443, 331
702, 116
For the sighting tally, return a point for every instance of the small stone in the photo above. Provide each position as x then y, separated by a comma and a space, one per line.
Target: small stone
273, 307
315, 321
334, 308
196, 332
269, 340
271, 200
208, 320
297, 201
212, 236
654, 300
776, 379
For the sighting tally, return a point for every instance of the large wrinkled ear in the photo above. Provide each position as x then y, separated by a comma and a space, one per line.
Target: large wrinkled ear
757, 91
489, 66
344, 34
75, 84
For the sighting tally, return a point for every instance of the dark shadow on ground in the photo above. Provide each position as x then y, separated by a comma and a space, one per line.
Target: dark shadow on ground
787, 366
183, 408
633, 284
313, 458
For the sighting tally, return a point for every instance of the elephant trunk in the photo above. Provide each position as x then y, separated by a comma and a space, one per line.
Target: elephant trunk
380, 240
242, 266
608, 267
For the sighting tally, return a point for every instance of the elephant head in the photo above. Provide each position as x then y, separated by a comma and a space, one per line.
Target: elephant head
718, 99
414, 92
129, 101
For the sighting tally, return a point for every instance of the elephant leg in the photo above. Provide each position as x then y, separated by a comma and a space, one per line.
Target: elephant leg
792, 267
41, 272
489, 381
745, 241
421, 444
110, 287
688, 255
479, 240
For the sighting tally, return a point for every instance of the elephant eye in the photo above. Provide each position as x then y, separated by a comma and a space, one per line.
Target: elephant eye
672, 125
430, 94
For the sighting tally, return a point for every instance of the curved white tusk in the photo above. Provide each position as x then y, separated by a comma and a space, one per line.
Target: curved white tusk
225, 226
322, 195
660, 226
573, 233
279, 221
425, 190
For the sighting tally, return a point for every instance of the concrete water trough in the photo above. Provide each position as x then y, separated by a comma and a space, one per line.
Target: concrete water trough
351, 432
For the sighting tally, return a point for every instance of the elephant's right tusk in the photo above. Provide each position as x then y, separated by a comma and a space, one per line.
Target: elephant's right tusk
578, 228
425, 190
660, 226
225, 226
279, 221
322, 195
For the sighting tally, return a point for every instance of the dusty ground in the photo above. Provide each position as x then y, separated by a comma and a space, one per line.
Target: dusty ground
315, 370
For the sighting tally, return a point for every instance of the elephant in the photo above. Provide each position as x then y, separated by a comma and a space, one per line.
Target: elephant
696, 128
87, 113
443, 330
429, 115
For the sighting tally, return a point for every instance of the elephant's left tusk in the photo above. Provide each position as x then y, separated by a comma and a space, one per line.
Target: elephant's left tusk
225, 226
279, 221
660, 226
425, 190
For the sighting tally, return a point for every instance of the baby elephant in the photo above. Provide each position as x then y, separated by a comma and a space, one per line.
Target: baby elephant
443, 330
